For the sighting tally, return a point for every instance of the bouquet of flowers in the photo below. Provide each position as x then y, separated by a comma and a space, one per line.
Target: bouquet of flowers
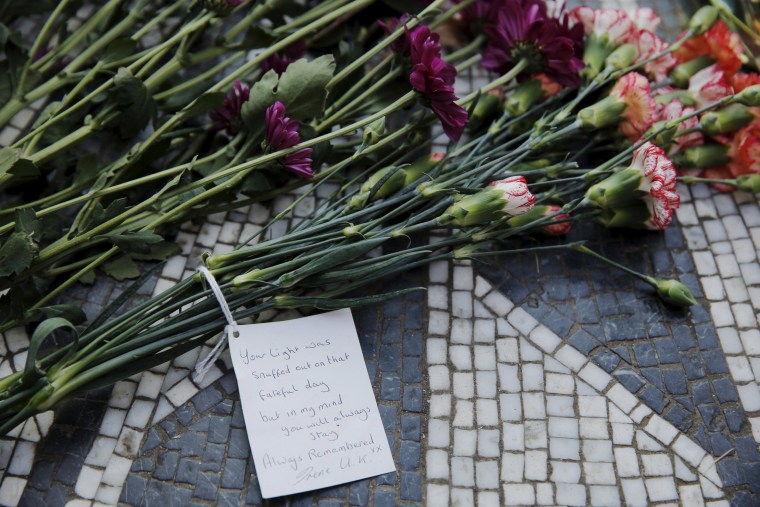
598, 79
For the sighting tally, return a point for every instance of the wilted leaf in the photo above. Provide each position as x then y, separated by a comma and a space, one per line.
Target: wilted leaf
17, 253
122, 268
101, 215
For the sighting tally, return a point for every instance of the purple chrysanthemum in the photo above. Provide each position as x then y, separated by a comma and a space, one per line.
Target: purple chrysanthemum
522, 31
279, 62
282, 133
227, 117
434, 79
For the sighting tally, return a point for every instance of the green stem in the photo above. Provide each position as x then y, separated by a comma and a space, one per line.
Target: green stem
586, 250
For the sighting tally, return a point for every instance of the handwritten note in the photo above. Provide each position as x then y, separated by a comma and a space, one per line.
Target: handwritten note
308, 404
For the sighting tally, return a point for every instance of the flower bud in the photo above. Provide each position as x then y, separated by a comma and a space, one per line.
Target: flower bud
617, 191
675, 293
703, 19
703, 156
596, 51
486, 107
749, 183
525, 95
635, 216
508, 197
373, 132
727, 120
750, 96
622, 57
605, 113
683, 72
550, 228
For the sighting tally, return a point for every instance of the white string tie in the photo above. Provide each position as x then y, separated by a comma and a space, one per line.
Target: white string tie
203, 366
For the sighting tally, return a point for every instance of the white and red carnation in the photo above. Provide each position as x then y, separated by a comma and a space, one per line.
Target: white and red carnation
659, 183
645, 18
648, 44
614, 24
518, 198
709, 85
633, 89
674, 110
559, 225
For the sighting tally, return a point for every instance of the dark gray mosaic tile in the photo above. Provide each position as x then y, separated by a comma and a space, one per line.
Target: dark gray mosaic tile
671, 359
201, 451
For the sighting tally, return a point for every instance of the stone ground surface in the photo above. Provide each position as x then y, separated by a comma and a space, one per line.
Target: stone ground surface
526, 380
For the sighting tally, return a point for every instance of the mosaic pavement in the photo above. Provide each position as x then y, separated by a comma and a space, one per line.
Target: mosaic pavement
524, 381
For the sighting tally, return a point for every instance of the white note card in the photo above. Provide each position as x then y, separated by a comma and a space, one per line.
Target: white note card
308, 404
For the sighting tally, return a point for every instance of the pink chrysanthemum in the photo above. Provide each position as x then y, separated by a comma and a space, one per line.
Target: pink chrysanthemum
522, 31
709, 85
633, 90
434, 79
659, 184
282, 133
227, 117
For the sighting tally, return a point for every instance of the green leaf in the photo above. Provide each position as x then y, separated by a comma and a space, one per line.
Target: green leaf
5, 33
257, 37
17, 254
27, 222
135, 102
205, 103
11, 162
32, 369
302, 87
87, 169
69, 311
262, 95
101, 215
87, 278
119, 49
47, 113
122, 268
139, 242
158, 252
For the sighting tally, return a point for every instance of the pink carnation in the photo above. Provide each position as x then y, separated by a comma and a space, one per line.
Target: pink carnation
709, 85
673, 110
648, 44
612, 23
633, 90
645, 18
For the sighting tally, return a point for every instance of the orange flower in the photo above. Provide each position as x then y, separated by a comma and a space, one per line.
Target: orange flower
744, 150
719, 43
742, 80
